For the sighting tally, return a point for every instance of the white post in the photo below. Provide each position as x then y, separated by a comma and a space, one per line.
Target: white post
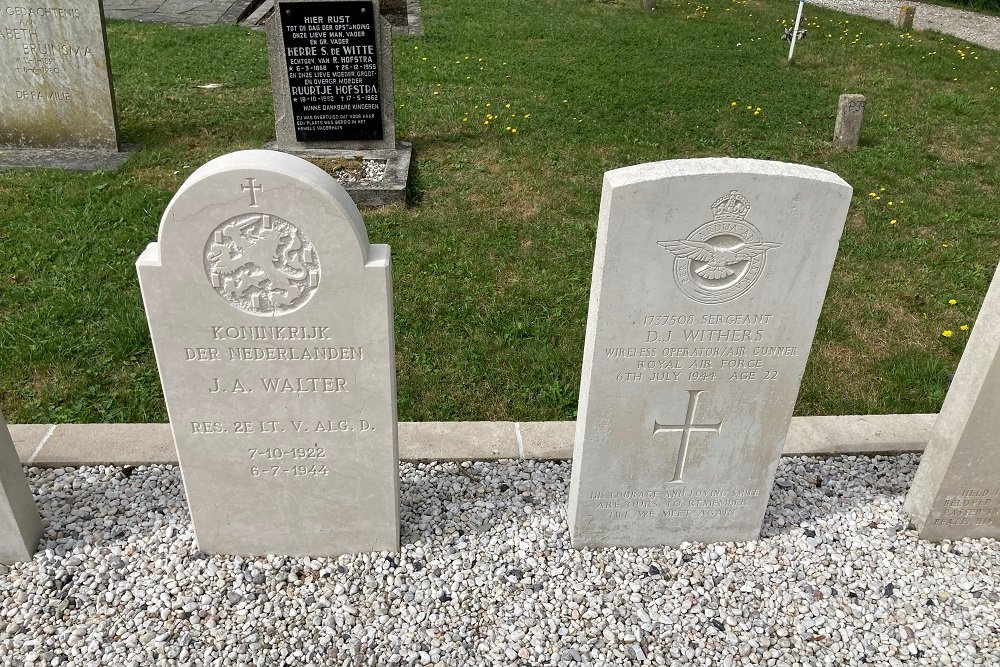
795, 31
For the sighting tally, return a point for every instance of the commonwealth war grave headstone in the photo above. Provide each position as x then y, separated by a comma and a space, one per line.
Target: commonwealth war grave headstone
20, 525
57, 106
956, 490
271, 319
709, 276
331, 78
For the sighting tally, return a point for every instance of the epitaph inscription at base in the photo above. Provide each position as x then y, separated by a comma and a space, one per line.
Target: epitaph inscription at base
956, 490
709, 276
271, 318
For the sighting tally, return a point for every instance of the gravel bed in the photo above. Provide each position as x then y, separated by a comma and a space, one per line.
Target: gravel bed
982, 29
486, 576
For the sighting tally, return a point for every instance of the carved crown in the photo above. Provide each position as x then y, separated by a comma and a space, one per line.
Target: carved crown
732, 206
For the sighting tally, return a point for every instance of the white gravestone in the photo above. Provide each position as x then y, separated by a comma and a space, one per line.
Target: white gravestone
20, 525
956, 491
271, 318
709, 277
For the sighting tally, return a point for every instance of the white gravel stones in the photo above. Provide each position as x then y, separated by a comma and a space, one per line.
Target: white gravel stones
486, 576
982, 29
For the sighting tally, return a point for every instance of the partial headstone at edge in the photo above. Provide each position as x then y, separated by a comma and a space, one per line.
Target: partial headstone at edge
271, 319
57, 103
20, 525
709, 276
956, 490
332, 83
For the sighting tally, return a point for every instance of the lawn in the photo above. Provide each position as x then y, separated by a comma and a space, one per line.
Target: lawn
515, 110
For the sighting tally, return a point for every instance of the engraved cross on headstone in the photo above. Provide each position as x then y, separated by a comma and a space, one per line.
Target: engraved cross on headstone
253, 189
686, 429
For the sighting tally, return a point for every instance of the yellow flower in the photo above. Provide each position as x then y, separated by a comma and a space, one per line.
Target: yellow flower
732, 104
964, 327
947, 333
892, 222
514, 130
952, 302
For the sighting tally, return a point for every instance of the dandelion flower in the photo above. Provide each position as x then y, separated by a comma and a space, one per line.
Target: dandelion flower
964, 327
952, 302
892, 222
947, 333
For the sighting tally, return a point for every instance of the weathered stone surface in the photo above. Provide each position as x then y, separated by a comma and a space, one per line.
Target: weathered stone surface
956, 490
295, 24
55, 83
271, 318
709, 276
20, 525
904, 17
850, 113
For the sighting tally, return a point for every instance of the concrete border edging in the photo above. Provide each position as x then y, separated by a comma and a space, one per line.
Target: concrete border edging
69, 445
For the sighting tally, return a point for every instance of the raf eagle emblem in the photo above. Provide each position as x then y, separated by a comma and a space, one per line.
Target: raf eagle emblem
717, 260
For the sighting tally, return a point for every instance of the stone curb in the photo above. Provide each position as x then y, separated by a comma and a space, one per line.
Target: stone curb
59, 445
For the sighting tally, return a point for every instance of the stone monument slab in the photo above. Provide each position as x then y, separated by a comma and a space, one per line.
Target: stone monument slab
55, 86
850, 114
271, 319
331, 80
20, 525
956, 490
709, 276
331, 75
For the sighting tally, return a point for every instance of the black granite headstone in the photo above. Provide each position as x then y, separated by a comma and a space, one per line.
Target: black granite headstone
331, 51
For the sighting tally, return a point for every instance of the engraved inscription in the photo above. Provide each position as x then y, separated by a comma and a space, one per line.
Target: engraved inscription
722, 259
677, 502
686, 429
261, 264
688, 348
333, 70
971, 507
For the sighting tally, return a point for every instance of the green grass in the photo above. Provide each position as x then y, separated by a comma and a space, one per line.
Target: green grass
492, 259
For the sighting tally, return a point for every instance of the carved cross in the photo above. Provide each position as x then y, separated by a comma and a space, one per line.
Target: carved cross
686, 429
253, 189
